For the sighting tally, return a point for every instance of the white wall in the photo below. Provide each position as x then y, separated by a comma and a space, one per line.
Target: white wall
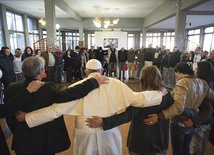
122, 38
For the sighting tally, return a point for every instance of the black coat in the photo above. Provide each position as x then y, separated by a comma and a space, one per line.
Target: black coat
143, 139
48, 138
6, 65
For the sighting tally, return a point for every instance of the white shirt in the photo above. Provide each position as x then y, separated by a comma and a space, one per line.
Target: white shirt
51, 59
107, 99
104, 101
0, 73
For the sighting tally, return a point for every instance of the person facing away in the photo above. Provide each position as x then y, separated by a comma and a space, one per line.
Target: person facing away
189, 92
105, 101
204, 70
49, 138
142, 139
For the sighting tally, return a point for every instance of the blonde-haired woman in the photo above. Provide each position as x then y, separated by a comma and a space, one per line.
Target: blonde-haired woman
143, 138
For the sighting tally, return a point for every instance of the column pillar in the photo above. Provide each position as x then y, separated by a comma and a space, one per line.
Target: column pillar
180, 27
81, 43
27, 40
50, 22
144, 32
137, 41
4, 26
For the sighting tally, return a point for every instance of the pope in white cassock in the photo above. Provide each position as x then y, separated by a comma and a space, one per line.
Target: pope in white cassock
104, 101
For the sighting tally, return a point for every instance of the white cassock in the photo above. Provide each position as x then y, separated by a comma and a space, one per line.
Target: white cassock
104, 101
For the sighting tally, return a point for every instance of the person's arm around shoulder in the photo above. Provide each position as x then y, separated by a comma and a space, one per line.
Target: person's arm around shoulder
112, 121
80, 90
38, 117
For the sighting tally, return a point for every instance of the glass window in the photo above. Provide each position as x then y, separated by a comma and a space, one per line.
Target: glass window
32, 25
16, 41
208, 38
1, 39
141, 40
208, 30
197, 31
191, 32
168, 40
19, 23
71, 39
14, 21
131, 40
33, 30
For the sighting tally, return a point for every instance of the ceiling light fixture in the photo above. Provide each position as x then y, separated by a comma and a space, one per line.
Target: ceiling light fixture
106, 22
43, 23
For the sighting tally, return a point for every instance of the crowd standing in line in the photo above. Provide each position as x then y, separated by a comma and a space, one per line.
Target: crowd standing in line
69, 66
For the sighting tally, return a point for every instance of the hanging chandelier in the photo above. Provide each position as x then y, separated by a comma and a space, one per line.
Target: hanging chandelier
98, 22
43, 23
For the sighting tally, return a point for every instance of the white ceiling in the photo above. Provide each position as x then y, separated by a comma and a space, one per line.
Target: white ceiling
127, 9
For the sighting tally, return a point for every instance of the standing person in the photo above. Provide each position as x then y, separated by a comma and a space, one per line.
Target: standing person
197, 57
28, 52
184, 55
140, 60
58, 54
96, 141
6, 66
92, 53
38, 53
49, 64
112, 60
49, 138
149, 55
76, 55
142, 139
68, 66
165, 65
131, 60
3, 144
211, 58
17, 64
100, 54
84, 60
173, 60
204, 55
189, 92
189, 58
204, 70
122, 58
157, 57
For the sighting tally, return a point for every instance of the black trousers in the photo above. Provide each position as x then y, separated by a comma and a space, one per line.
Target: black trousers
3, 145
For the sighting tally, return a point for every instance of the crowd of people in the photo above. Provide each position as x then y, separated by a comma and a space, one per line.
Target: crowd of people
189, 104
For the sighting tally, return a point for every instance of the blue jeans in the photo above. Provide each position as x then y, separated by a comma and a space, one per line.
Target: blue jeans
58, 73
181, 138
139, 67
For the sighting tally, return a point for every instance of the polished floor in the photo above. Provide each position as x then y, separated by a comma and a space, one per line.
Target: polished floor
134, 85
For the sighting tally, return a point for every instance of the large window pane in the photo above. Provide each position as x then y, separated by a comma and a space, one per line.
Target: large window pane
207, 42
10, 21
197, 31
208, 30
19, 23
32, 25
16, 41
1, 39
